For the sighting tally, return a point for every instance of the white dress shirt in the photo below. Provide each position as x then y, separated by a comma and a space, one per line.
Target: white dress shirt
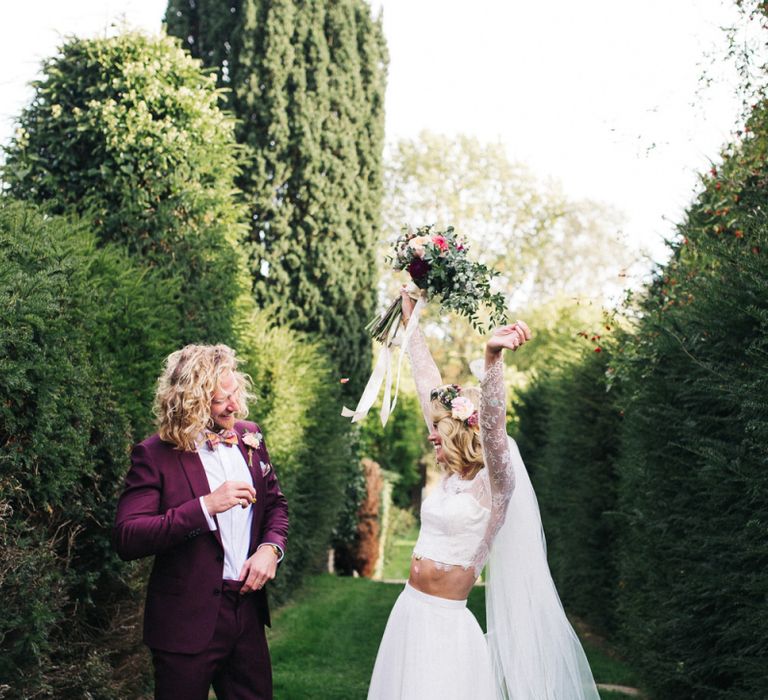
225, 463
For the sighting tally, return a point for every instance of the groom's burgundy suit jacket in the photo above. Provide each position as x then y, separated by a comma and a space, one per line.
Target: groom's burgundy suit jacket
159, 514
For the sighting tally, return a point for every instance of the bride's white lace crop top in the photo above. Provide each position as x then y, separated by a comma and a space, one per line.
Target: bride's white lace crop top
460, 518
454, 521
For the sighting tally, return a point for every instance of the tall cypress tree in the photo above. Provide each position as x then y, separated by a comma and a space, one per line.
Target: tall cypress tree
306, 79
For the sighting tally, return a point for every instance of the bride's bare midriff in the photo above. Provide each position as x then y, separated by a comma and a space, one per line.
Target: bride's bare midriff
428, 577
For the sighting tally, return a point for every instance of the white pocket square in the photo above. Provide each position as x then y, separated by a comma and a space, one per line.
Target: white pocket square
265, 468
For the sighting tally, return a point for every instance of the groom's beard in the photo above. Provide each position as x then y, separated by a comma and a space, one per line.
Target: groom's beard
226, 422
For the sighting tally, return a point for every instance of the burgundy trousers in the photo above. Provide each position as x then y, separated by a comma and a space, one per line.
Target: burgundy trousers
236, 662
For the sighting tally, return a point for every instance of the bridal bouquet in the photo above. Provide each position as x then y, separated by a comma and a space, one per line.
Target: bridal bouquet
438, 263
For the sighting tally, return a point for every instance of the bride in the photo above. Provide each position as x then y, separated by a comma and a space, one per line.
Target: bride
483, 509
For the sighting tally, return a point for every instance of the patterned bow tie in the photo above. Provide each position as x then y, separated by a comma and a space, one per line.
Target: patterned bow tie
224, 437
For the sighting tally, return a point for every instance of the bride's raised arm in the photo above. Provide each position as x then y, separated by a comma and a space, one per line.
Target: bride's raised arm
493, 430
425, 371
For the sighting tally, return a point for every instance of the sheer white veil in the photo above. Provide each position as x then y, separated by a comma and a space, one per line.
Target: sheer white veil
536, 655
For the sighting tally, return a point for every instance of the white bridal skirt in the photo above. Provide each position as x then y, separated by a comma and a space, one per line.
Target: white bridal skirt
432, 649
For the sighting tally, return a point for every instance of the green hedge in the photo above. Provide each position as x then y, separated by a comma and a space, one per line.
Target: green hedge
568, 435
70, 604
658, 521
399, 448
694, 470
65, 430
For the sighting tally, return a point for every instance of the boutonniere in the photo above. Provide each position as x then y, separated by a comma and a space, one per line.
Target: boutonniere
253, 441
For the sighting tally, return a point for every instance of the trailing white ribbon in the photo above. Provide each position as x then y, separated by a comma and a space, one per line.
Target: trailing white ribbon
383, 370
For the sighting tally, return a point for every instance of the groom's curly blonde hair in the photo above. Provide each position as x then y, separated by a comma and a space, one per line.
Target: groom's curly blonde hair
189, 380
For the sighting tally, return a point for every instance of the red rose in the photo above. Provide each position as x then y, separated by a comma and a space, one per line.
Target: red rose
418, 268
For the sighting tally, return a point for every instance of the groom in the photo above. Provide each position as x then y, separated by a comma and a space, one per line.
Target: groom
203, 499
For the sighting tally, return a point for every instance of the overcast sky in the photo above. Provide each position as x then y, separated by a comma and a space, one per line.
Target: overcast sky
600, 94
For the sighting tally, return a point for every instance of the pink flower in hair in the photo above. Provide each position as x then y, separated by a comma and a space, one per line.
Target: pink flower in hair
462, 408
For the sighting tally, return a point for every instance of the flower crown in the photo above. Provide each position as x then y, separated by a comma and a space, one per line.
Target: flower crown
461, 407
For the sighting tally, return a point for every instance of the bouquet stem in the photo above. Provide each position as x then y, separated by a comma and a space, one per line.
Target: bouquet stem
380, 326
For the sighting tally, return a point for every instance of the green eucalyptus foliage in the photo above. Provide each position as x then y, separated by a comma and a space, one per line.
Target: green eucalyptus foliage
67, 402
306, 80
129, 130
694, 470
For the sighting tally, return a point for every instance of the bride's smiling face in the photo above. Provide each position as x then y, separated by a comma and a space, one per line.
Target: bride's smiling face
437, 443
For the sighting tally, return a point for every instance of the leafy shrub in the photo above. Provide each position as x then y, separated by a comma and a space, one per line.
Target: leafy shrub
128, 129
65, 427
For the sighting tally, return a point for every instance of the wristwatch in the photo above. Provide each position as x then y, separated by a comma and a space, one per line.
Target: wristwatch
275, 549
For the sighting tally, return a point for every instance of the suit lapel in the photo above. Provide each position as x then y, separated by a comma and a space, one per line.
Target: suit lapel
258, 483
198, 481
253, 463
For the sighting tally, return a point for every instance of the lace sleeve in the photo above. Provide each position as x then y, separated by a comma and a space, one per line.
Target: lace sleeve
425, 372
498, 461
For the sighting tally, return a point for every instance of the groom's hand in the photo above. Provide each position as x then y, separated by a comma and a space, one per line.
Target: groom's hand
259, 568
229, 495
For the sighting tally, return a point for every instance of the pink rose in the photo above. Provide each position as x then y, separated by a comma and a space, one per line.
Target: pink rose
440, 242
462, 408
252, 439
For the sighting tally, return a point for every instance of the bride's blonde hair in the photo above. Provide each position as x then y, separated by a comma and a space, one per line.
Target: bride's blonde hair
461, 445
186, 387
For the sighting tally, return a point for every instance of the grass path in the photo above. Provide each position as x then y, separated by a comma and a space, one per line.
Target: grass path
325, 641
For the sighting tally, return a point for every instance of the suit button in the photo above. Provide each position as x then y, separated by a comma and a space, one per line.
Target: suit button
217, 591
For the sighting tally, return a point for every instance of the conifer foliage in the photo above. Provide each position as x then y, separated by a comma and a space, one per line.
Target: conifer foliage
694, 468
568, 434
664, 487
306, 80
